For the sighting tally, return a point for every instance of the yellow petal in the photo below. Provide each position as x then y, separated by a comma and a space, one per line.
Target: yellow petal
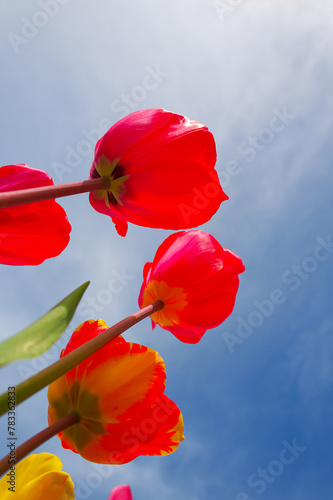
122, 383
38, 477
174, 298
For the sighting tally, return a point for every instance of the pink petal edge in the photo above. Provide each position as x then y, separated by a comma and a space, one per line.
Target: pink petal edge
122, 492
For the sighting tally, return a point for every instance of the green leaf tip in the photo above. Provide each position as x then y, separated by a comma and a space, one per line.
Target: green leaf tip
38, 337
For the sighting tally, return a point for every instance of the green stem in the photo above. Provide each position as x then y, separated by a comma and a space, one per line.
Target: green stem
37, 382
24, 449
31, 195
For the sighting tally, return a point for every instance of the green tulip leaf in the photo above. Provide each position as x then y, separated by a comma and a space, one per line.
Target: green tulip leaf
43, 333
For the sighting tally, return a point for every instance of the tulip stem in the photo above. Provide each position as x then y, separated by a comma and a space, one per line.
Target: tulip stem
37, 382
31, 195
31, 444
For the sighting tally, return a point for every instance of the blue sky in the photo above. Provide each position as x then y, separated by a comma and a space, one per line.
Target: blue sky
256, 392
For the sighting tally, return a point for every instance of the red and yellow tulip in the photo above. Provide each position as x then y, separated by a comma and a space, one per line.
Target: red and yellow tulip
118, 393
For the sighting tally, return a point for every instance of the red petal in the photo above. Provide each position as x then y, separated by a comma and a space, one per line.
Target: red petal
32, 233
131, 131
85, 332
14, 177
155, 431
121, 226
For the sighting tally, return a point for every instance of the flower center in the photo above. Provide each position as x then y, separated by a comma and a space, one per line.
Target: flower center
174, 299
115, 172
86, 405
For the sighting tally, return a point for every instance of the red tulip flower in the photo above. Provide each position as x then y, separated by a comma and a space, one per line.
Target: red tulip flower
161, 170
196, 279
118, 393
30, 233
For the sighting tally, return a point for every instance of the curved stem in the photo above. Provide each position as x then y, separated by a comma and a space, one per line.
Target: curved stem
31, 444
31, 195
45, 377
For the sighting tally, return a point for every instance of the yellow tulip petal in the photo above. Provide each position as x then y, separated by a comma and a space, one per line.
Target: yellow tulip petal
129, 375
174, 299
38, 477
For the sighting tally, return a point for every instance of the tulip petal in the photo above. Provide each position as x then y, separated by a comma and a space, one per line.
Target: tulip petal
142, 124
122, 492
120, 225
39, 477
156, 431
129, 361
13, 177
